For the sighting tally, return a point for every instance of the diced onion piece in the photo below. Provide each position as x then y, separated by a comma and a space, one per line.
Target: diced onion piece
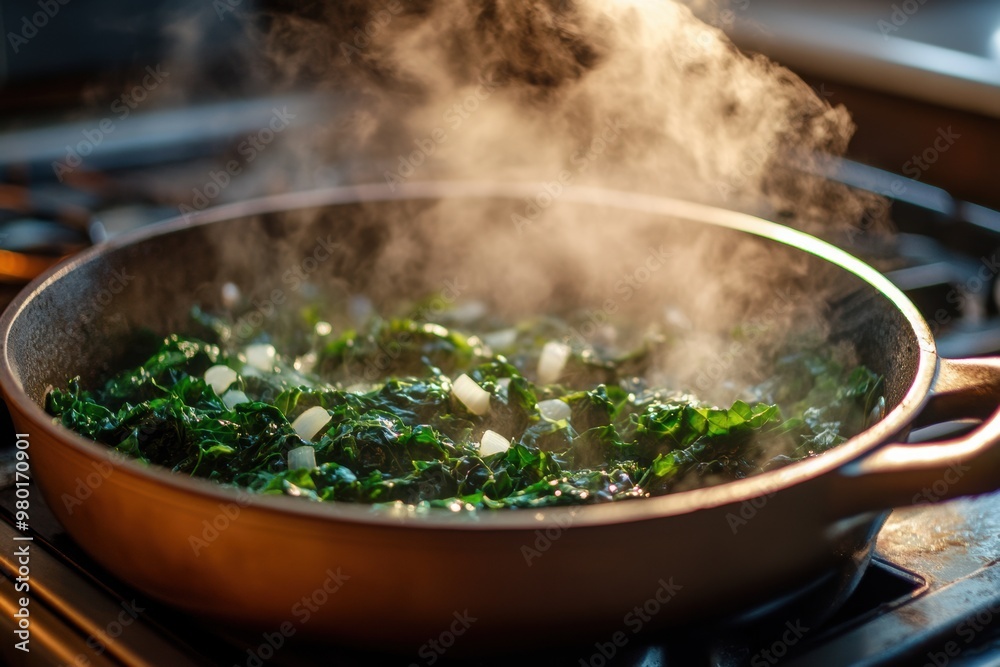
502, 339
230, 295
261, 356
877, 412
504, 383
554, 409
472, 396
302, 457
552, 362
220, 378
234, 397
311, 421
493, 443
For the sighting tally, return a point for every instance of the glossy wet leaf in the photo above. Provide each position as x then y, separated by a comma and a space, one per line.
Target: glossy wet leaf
396, 433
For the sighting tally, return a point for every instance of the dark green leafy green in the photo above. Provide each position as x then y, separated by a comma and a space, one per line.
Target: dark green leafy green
396, 432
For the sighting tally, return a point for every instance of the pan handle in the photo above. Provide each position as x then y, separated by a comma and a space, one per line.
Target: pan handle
897, 475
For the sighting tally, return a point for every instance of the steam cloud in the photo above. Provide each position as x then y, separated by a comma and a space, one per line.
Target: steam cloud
627, 94
624, 93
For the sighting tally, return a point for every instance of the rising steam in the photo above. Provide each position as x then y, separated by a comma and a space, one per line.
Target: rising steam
626, 94
635, 94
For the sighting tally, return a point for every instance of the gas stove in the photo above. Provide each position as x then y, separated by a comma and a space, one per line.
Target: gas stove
931, 594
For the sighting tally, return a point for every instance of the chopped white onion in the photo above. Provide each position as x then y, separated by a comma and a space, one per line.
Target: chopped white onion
877, 412
309, 423
502, 339
230, 295
261, 356
493, 443
504, 383
554, 409
302, 457
220, 378
552, 362
472, 396
323, 328
234, 397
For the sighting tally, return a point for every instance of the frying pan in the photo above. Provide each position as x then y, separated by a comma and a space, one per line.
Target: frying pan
395, 577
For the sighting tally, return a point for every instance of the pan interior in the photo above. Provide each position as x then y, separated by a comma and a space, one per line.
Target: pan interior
732, 296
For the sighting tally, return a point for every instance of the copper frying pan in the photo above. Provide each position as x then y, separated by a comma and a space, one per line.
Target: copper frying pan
394, 577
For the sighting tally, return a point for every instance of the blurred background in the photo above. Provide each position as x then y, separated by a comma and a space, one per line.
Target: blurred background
904, 69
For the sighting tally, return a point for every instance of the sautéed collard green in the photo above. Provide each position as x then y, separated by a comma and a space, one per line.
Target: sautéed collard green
400, 410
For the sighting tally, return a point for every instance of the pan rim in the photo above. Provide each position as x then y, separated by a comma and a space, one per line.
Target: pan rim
683, 502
